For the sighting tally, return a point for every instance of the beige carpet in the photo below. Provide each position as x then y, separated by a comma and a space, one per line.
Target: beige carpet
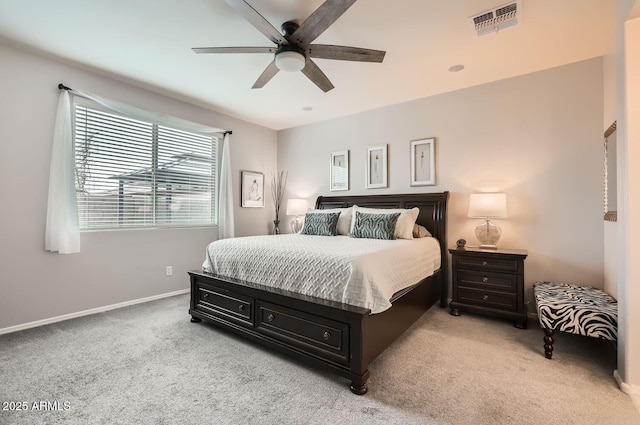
148, 364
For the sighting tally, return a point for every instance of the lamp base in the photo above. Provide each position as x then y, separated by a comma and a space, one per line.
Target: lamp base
296, 225
488, 247
488, 235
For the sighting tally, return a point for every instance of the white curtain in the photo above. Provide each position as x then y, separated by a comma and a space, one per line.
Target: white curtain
225, 198
62, 232
141, 114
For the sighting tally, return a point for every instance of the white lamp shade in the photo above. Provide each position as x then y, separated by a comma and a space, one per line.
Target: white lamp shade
296, 206
487, 205
290, 61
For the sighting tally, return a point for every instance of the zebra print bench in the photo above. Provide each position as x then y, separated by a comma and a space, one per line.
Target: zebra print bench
575, 309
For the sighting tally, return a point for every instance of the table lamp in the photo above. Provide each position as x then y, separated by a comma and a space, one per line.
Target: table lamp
296, 207
488, 206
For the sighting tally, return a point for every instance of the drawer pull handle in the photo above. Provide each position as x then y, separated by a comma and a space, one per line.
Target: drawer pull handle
326, 335
485, 279
485, 297
270, 317
241, 307
484, 263
205, 296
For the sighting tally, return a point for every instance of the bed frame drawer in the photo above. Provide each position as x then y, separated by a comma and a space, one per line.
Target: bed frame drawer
226, 305
310, 333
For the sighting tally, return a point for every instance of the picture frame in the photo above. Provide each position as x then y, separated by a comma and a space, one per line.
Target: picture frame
376, 167
339, 171
251, 189
610, 173
423, 162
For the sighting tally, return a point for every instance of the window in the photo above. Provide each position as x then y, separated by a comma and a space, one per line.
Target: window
131, 173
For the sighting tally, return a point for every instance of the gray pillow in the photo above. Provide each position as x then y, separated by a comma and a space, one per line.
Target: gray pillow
321, 224
374, 226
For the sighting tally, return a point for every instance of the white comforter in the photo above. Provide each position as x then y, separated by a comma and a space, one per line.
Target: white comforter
361, 272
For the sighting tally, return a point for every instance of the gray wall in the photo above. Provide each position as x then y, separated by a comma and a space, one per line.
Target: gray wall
536, 137
113, 266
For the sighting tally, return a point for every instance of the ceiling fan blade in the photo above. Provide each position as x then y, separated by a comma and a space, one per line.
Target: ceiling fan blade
315, 74
345, 53
257, 20
320, 20
234, 49
266, 75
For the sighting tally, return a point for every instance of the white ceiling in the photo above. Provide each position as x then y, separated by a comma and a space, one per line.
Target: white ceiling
148, 42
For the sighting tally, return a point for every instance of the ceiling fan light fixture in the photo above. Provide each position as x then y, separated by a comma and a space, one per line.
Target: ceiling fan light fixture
290, 61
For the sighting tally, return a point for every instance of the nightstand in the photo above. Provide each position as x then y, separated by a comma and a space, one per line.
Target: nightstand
489, 282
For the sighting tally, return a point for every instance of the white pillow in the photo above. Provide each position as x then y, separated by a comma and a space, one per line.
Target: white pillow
404, 225
344, 221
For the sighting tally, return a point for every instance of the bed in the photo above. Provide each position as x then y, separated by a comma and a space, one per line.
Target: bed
325, 333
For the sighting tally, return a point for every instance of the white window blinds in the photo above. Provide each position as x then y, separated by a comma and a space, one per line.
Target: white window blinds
132, 173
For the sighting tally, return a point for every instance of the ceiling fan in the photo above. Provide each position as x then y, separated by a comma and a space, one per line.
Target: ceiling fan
293, 50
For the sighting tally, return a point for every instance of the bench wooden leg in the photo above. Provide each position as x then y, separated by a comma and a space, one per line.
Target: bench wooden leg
548, 343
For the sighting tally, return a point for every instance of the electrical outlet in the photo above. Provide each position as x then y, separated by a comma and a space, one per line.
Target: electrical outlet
169, 270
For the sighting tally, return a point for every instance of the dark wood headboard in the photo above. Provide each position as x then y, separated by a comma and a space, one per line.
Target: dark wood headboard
433, 216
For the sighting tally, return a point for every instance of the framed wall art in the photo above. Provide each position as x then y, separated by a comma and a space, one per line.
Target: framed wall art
376, 167
423, 164
339, 171
252, 189
610, 173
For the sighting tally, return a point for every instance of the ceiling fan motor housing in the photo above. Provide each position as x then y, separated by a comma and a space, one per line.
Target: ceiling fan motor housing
288, 28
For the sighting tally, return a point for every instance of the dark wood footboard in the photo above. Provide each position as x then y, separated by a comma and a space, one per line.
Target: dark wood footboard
337, 337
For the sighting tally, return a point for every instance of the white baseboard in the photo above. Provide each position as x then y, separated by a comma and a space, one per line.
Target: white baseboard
632, 390
90, 311
626, 388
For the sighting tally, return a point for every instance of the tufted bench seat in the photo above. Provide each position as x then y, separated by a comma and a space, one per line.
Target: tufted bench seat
581, 310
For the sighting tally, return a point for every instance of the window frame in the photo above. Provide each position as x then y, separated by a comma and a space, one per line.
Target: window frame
216, 142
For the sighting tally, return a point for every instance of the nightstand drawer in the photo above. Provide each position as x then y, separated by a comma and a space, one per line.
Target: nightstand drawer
488, 263
490, 299
495, 281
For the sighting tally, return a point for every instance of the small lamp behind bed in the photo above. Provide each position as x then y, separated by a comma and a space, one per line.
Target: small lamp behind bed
296, 207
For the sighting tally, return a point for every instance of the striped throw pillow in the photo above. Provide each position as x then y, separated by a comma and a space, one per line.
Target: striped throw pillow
374, 226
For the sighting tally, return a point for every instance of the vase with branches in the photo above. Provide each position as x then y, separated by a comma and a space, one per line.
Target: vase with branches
278, 184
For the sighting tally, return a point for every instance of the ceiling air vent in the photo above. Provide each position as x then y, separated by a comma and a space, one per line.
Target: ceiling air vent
496, 19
